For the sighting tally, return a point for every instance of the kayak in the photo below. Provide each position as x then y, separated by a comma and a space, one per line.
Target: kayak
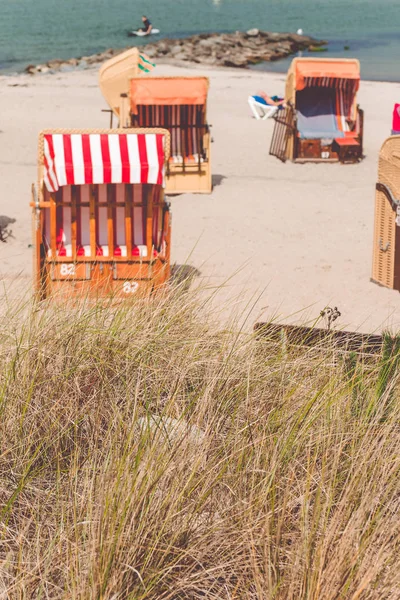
143, 34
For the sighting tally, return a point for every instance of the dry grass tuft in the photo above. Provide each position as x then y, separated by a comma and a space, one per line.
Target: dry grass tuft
145, 454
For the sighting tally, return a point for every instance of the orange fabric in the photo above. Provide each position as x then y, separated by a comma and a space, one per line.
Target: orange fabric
168, 91
347, 141
323, 68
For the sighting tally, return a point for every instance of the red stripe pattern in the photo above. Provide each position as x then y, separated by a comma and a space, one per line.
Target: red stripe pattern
346, 88
77, 159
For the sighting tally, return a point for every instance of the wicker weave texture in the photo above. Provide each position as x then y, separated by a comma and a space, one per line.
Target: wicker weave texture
385, 252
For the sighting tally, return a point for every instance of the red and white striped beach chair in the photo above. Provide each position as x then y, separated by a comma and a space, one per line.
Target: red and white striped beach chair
101, 221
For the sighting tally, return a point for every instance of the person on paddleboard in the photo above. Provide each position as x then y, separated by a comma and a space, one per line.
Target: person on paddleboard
147, 26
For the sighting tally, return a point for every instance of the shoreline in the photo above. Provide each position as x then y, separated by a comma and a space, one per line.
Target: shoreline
170, 62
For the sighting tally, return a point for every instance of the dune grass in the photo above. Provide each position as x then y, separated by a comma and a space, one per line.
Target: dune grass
146, 454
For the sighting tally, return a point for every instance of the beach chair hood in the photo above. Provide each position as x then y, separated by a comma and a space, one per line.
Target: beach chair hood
114, 77
321, 72
168, 91
76, 158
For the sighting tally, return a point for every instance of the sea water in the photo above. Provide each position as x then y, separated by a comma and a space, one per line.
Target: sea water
34, 31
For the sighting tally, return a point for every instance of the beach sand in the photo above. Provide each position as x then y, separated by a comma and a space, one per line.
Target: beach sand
290, 239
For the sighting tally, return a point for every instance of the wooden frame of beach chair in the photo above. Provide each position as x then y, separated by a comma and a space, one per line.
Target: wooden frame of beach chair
343, 77
100, 219
386, 242
178, 104
261, 111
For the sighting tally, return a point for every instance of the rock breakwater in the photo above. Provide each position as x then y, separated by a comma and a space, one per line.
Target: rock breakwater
233, 49
240, 50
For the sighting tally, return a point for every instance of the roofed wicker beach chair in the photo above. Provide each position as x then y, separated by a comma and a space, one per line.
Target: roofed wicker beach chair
322, 121
115, 74
386, 243
178, 104
100, 217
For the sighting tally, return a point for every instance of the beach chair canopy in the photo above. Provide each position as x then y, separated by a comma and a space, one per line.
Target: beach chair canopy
342, 74
115, 74
326, 73
77, 158
168, 91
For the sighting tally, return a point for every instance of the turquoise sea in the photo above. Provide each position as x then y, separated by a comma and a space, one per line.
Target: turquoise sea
33, 31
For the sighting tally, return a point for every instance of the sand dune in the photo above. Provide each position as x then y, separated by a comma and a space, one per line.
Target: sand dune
302, 234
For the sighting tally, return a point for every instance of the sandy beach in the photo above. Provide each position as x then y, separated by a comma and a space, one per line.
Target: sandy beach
299, 235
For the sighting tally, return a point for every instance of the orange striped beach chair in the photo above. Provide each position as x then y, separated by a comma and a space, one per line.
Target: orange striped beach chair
178, 104
322, 120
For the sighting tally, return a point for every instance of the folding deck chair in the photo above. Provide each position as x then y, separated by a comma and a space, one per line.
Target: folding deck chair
260, 109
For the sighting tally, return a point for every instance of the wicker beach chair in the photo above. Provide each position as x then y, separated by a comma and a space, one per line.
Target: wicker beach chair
100, 218
322, 121
386, 243
178, 104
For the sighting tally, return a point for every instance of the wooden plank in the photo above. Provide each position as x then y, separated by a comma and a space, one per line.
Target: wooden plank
53, 226
128, 220
92, 216
74, 224
149, 194
346, 341
37, 224
316, 160
110, 219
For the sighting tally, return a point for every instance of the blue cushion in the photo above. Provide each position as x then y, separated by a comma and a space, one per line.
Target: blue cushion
316, 117
261, 100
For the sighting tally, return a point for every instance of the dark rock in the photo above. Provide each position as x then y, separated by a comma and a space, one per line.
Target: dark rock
73, 62
31, 69
162, 47
55, 63
235, 61
175, 50
181, 56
